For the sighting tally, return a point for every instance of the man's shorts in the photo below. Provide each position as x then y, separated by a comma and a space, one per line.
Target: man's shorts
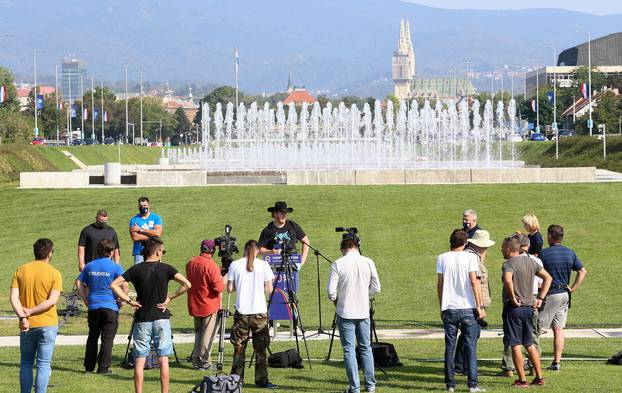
518, 326
159, 331
555, 311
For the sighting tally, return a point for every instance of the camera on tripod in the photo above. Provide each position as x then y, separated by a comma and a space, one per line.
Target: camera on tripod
227, 246
350, 233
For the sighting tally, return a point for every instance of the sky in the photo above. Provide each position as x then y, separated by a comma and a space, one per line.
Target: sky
598, 7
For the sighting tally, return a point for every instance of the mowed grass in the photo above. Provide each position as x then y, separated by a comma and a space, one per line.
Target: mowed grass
100, 154
420, 372
403, 228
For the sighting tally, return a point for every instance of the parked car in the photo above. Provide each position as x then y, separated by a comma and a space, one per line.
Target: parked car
515, 138
538, 137
108, 141
91, 141
566, 133
77, 142
37, 141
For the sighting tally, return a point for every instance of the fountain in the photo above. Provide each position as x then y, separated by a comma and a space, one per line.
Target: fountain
437, 135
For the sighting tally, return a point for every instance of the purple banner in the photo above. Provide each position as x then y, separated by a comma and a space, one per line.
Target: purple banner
280, 310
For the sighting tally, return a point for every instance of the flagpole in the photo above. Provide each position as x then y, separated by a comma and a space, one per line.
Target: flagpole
141, 108
537, 97
103, 112
92, 107
235, 64
127, 124
82, 105
57, 97
555, 105
35, 96
70, 134
589, 55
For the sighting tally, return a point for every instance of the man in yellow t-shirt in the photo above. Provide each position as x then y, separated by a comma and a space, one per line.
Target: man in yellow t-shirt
35, 289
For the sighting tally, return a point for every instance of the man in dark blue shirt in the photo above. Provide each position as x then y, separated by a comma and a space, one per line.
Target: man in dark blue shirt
559, 261
103, 318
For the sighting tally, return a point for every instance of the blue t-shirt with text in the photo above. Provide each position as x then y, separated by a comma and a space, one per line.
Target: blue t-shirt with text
144, 223
97, 276
559, 262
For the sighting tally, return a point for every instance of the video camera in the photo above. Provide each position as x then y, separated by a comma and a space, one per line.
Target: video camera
350, 233
227, 246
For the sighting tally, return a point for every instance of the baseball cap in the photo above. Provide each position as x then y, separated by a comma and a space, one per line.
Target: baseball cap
208, 244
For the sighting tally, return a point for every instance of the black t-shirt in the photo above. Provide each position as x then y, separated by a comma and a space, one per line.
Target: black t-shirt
90, 238
150, 280
289, 233
472, 231
535, 244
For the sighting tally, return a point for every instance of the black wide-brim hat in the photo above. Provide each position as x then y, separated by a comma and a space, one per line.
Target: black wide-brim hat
280, 206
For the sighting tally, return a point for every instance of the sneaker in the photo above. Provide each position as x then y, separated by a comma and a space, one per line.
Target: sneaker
105, 372
554, 367
538, 382
476, 389
451, 389
520, 384
267, 385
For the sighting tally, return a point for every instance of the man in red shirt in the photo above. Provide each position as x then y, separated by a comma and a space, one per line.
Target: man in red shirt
204, 301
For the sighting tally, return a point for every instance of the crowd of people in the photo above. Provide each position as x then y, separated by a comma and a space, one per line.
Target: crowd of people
536, 296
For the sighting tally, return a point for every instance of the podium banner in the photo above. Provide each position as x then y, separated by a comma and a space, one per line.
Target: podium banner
280, 310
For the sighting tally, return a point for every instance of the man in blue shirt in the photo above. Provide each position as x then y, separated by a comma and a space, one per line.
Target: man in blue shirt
559, 261
146, 224
103, 318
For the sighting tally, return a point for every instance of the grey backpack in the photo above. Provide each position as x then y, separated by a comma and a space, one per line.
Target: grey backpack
219, 384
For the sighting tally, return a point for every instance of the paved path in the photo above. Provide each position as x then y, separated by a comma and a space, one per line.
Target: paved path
605, 176
386, 334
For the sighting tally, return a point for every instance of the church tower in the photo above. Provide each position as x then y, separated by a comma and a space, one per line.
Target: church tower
403, 69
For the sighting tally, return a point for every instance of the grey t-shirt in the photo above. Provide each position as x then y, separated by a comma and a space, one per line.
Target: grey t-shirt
523, 270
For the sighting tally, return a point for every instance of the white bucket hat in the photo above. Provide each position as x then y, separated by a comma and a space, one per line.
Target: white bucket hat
481, 238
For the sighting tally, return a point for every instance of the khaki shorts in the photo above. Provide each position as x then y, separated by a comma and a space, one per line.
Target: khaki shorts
555, 311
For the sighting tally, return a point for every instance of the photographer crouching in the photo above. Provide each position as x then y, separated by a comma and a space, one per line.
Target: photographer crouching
352, 281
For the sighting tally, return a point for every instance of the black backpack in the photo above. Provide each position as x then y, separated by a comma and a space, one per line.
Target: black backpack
616, 359
290, 358
385, 355
219, 384
151, 361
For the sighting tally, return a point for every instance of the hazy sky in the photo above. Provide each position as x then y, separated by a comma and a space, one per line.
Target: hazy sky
599, 7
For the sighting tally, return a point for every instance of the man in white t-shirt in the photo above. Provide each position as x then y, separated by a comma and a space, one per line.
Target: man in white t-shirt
252, 279
459, 295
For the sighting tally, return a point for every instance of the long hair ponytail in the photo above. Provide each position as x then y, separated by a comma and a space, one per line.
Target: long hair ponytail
250, 251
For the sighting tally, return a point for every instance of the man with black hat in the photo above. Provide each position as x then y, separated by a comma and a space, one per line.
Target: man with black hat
204, 301
282, 233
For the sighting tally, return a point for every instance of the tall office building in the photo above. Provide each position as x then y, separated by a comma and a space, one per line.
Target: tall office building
71, 71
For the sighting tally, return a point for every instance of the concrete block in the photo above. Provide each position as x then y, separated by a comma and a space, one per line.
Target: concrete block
170, 178
112, 173
505, 175
383, 176
299, 178
54, 179
437, 176
566, 175
336, 177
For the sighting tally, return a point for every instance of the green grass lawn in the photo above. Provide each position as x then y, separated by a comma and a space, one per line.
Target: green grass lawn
403, 228
100, 154
418, 374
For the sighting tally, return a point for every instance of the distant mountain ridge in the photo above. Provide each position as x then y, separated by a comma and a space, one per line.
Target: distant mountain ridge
324, 44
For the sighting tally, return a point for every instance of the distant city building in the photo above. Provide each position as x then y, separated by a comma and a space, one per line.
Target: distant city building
187, 103
71, 71
299, 95
408, 86
606, 58
580, 107
23, 92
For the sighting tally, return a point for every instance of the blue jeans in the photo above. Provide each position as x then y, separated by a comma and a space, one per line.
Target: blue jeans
349, 329
463, 320
159, 331
36, 343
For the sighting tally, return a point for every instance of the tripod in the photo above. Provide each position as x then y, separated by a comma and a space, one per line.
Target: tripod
129, 341
318, 254
285, 271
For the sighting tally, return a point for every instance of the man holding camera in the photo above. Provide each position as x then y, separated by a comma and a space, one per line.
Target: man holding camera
353, 280
282, 234
144, 226
152, 317
91, 235
460, 298
204, 301
519, 272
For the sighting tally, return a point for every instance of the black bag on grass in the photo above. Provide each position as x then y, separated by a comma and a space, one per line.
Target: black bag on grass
290, 358
219, 384
151, 361
616, 359
385, 355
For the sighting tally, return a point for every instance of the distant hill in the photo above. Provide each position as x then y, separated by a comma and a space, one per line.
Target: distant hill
324, 44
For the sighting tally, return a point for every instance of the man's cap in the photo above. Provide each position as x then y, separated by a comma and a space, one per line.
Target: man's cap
208, 245
481, 238
280, 206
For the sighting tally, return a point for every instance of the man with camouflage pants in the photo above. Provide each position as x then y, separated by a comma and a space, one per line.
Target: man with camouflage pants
251, 278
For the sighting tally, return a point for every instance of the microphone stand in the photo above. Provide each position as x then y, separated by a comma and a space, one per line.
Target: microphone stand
318, 254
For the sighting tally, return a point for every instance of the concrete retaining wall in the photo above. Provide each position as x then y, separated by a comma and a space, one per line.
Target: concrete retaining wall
171, 178
54, 179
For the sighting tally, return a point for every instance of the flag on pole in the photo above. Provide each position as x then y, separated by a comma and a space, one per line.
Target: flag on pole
534, 105
39, 101
237, 60
74, 111
85, 114
106, 116
2, 94
95, 113
584, 90
550, 96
